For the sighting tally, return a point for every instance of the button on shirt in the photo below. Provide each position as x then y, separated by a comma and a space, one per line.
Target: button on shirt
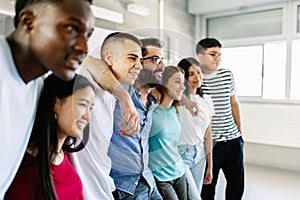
129, 155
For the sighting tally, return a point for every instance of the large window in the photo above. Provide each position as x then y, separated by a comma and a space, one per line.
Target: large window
259, 70
262, 49
260, 23
274, 70
245, 63
6, 24
295, 72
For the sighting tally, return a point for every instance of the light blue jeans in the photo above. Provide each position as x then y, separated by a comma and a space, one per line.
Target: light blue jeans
194, 157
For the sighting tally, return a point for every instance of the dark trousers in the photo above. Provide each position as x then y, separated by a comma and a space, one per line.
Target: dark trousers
173, 190
229, 157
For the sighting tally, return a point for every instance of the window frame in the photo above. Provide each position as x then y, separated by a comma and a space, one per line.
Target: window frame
289, 33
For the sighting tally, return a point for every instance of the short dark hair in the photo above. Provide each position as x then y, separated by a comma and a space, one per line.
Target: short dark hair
150, 42
202, 45
118, 36
21, 4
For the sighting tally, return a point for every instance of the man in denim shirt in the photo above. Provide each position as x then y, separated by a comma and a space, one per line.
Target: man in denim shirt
132, 176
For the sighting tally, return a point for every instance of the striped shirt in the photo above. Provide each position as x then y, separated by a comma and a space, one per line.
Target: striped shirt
220, 86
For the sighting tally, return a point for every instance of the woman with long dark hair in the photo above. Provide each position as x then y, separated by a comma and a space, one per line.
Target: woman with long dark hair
195, 143
62, 115
164, 160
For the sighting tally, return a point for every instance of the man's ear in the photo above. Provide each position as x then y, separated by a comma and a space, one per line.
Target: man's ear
200, 56
109, 57
26, 20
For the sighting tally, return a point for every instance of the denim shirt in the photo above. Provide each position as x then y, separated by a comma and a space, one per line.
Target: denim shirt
129, 155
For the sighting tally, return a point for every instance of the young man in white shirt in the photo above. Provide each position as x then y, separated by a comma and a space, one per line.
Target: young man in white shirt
122, 52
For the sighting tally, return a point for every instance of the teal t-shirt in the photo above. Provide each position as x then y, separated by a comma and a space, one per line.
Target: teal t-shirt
164, 159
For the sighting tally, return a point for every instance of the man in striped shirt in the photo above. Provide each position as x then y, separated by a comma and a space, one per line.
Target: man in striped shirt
226, 123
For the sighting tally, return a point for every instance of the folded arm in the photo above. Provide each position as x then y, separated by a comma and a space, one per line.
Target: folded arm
104, 76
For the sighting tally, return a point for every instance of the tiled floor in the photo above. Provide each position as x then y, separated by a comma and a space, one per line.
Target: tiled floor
262, 183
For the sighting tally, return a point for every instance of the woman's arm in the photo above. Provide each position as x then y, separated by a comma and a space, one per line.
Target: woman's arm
208, 149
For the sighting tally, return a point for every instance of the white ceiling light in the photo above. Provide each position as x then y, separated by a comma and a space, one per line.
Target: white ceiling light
106, 14
138, 9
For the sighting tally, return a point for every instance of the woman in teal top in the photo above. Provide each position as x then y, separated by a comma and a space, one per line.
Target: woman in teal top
164, 160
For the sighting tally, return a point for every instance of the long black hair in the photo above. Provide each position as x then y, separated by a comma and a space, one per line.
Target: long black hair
185, 64
44, 133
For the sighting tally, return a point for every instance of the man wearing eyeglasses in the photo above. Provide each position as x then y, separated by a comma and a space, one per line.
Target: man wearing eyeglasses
226, 123
129, 155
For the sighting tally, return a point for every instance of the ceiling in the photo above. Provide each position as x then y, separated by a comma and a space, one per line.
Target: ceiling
194, 6
213, 6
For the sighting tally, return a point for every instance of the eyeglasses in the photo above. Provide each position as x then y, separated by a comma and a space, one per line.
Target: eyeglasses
156, 60
214, 55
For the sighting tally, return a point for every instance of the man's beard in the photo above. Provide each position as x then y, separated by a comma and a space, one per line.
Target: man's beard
147, 77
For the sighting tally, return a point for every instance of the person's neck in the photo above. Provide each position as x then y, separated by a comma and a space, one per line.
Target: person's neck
193, 91
166, 102
28, 67
59, 153
60, 142
207, 71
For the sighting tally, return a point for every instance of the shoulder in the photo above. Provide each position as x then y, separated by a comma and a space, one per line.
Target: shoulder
207, 97
225, 72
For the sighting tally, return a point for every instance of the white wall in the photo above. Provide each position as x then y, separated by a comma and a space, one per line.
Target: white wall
272, 134
274, 124
272, 156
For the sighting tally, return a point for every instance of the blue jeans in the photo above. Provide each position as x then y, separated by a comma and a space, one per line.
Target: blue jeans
194, 157
142, 192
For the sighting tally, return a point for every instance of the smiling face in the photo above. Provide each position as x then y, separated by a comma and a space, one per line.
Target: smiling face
73, 112
175, 86
58, 34
195, 77
210, 60
125, 60
153, 62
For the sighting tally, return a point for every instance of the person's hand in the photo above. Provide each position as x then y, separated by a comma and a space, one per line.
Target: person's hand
192, 106
208, 177
131, 119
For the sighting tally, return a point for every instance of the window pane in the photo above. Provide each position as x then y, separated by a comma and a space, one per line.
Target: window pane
295, 80
6, 24
263, 23
246, 65
298, 19
274, 70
